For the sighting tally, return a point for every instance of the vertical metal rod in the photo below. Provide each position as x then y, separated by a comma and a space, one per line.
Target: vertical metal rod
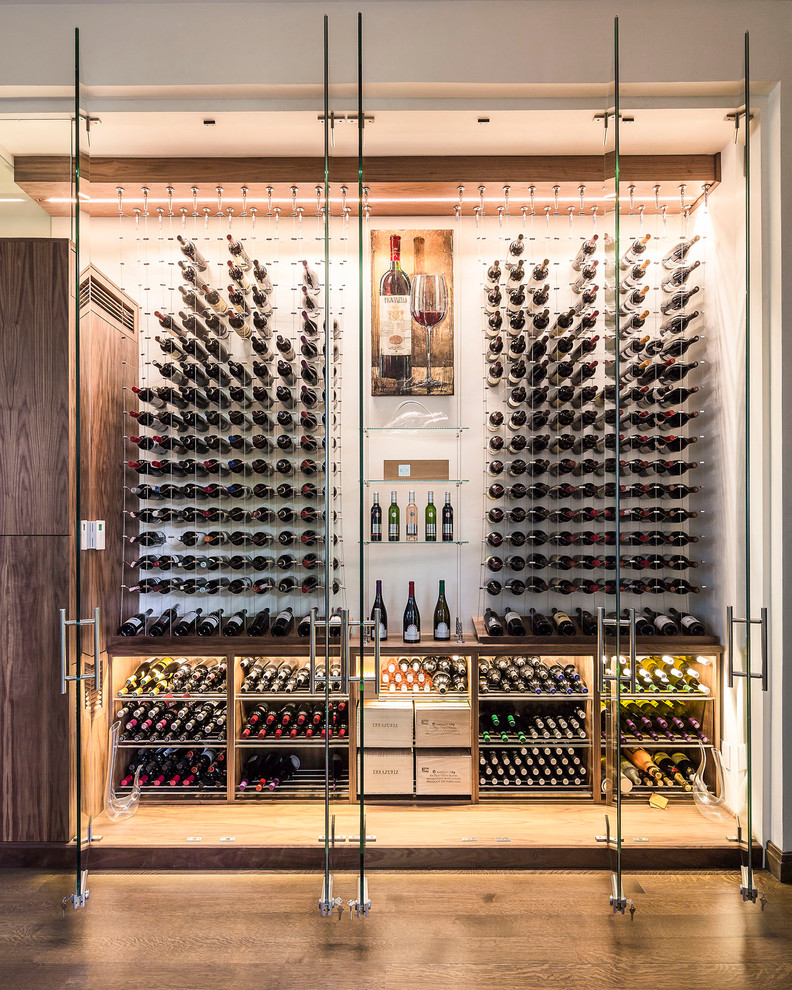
600, 660
633, 653
361, 410
328, 474
764, 648
730, 644
97, 675
63, 648
747, 440
76, 454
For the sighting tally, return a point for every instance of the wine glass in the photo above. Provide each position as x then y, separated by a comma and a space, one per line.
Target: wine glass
428, 305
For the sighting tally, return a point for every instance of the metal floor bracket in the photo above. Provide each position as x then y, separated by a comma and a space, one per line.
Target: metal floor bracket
361, 906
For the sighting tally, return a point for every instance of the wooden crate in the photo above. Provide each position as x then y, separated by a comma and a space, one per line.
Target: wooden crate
445, 724
443, 771
387, 771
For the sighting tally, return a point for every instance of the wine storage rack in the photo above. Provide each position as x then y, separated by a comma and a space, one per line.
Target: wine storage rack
125, 655
572, 575
286, 248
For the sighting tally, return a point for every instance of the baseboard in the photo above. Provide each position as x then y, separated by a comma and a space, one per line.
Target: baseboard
779, 862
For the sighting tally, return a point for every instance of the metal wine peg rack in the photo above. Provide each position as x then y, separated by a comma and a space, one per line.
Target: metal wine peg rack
247, 318
566, 531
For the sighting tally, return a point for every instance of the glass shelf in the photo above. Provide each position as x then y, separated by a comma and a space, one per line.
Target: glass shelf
416, 543
414, 429
414, 481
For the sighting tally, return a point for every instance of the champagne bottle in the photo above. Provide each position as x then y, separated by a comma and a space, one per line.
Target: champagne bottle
411, 623
442, 616
393, 520
380, 604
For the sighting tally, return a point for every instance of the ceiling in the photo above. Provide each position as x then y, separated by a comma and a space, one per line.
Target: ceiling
393, 132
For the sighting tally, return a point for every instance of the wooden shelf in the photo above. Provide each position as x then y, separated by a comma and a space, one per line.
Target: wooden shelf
573, 645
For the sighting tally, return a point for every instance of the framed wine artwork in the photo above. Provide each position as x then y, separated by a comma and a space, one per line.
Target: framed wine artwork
412, 312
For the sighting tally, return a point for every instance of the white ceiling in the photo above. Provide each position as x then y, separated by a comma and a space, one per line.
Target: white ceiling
393, 132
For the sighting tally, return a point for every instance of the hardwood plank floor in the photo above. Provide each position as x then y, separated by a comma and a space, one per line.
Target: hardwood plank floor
516, 931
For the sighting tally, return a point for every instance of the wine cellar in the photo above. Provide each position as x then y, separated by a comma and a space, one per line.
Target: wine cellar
408, 487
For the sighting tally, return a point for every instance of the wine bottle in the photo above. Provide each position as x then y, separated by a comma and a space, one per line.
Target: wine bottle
393, 520
514, 624
676, 256
376, 520
190, 251
283, 624
442, 616
430, 519
395, 333
411, 623
411, 520
379, 603
492, 623
447, 520
135, 624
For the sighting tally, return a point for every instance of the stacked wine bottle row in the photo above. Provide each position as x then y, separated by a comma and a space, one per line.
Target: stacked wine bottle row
557, 725
425, 674
273, 675
639, 769
172, 721
584, 623
170, 768
529, 674
288, 722
164, 675
544, 768
552, 385
657, 721
661, 674
286, 775
226, 470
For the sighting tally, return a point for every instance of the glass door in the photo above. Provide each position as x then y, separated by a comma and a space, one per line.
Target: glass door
615, 660
747, 623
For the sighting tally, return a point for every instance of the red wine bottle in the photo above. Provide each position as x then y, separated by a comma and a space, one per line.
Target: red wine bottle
395, 325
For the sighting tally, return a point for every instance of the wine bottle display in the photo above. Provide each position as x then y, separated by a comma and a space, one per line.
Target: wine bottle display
395, 322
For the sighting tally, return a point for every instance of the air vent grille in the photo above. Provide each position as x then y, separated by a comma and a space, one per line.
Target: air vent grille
93, 291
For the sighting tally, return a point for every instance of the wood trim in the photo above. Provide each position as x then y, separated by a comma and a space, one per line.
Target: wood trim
397, 185
779, 862
399, 168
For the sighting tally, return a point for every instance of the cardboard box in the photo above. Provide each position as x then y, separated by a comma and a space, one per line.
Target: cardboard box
442, 771
387, 771
388, 724
445, 723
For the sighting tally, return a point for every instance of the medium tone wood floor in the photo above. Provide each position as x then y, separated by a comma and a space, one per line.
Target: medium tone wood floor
513, 931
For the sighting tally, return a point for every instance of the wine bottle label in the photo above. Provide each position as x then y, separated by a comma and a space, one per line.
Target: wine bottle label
393, 530
448, 530
688, 621
442, 631
412, 634
376, 529
395, 325
383, 632
431, 531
